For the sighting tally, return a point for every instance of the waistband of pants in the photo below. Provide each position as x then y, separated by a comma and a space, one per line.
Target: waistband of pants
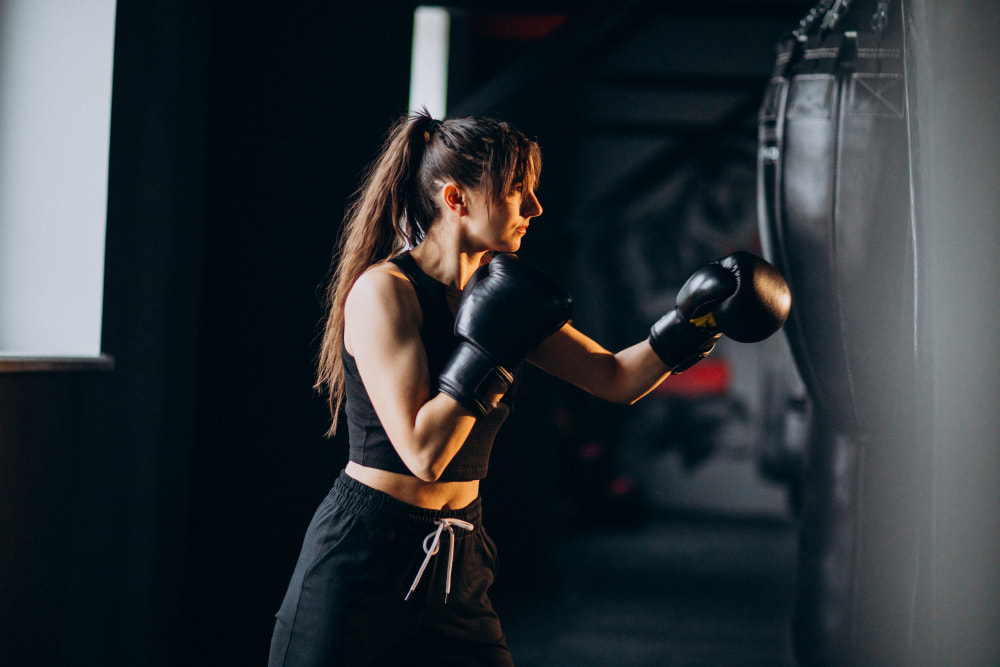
363, 499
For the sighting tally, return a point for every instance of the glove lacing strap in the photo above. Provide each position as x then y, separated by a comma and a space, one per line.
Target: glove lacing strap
434, 538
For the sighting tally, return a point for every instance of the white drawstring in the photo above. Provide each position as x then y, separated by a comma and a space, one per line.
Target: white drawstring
435, 537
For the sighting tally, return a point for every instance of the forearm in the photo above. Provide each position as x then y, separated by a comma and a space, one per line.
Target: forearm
625, 376
619, 377
437, 433
637, 370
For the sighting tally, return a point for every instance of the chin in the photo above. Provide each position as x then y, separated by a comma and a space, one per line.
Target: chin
513, 246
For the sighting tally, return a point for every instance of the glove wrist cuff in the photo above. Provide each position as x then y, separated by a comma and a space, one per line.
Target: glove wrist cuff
680, 344
474, 379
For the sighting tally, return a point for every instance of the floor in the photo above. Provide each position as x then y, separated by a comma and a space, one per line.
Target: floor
677, 590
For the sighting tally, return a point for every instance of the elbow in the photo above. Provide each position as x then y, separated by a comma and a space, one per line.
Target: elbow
428, 469
428, 475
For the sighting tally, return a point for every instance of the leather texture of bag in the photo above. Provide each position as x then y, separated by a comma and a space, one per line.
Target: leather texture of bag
833, 203
834, 214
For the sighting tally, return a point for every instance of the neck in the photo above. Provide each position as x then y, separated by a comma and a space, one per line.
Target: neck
447, 262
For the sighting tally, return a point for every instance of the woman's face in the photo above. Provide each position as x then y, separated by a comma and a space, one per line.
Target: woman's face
507, 222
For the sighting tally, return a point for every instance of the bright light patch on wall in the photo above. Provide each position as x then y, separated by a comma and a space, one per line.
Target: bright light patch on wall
429, 60
56, 62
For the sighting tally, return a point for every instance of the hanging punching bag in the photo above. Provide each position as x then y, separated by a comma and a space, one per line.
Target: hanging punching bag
833, 205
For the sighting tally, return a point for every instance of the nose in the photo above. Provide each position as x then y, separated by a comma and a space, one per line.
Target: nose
530, 206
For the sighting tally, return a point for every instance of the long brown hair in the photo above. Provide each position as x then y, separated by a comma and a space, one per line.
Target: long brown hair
395, 206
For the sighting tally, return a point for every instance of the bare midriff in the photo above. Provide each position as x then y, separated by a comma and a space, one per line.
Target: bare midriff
412, 490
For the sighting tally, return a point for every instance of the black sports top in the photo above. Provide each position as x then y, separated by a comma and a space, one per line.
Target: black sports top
369, 444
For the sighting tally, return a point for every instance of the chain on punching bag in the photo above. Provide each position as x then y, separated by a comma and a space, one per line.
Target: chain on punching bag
833, 206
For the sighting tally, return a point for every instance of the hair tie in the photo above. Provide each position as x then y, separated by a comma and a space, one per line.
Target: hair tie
432, 125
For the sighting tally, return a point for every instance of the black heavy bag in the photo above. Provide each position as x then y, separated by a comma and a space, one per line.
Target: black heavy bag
833, 204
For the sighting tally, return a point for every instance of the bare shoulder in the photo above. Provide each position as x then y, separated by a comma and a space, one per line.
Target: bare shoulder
381, 299
383, 280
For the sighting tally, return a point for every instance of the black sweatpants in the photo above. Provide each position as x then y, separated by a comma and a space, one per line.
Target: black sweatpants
345, 604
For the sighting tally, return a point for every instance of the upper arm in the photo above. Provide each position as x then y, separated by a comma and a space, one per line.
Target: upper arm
622, 377
382, 322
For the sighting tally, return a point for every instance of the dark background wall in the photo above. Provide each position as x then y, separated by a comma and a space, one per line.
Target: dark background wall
96, 465
150, 514
301, 97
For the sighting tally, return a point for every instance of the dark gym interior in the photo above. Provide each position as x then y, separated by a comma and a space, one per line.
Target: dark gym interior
829, 497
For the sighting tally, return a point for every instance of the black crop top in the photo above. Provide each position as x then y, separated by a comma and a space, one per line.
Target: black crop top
369, 444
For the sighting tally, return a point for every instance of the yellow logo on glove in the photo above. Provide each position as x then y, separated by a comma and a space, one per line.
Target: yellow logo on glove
705, 322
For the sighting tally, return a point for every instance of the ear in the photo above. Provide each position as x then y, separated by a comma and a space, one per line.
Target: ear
454, 199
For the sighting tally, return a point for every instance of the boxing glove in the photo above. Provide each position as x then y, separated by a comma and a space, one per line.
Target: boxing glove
507, 309
741, 296
759, 306
680, 338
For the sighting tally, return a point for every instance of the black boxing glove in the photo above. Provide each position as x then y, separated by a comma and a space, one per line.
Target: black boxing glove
507, 309
681, 338
741, 295
760, 304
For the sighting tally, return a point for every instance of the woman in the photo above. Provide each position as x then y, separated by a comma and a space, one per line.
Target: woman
396, 565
